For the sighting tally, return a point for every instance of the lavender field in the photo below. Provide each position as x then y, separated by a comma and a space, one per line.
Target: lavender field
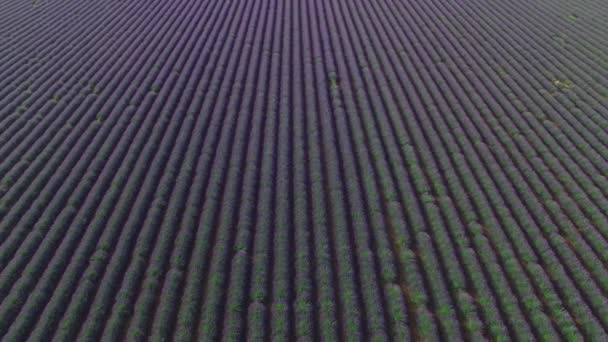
313, 170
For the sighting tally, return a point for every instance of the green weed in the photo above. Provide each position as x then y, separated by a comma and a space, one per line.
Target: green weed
572, 18
502, 72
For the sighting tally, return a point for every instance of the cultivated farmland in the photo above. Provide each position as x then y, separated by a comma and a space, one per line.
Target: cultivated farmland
303, 170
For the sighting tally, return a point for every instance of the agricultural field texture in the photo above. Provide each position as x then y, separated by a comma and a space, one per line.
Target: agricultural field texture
311, 170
